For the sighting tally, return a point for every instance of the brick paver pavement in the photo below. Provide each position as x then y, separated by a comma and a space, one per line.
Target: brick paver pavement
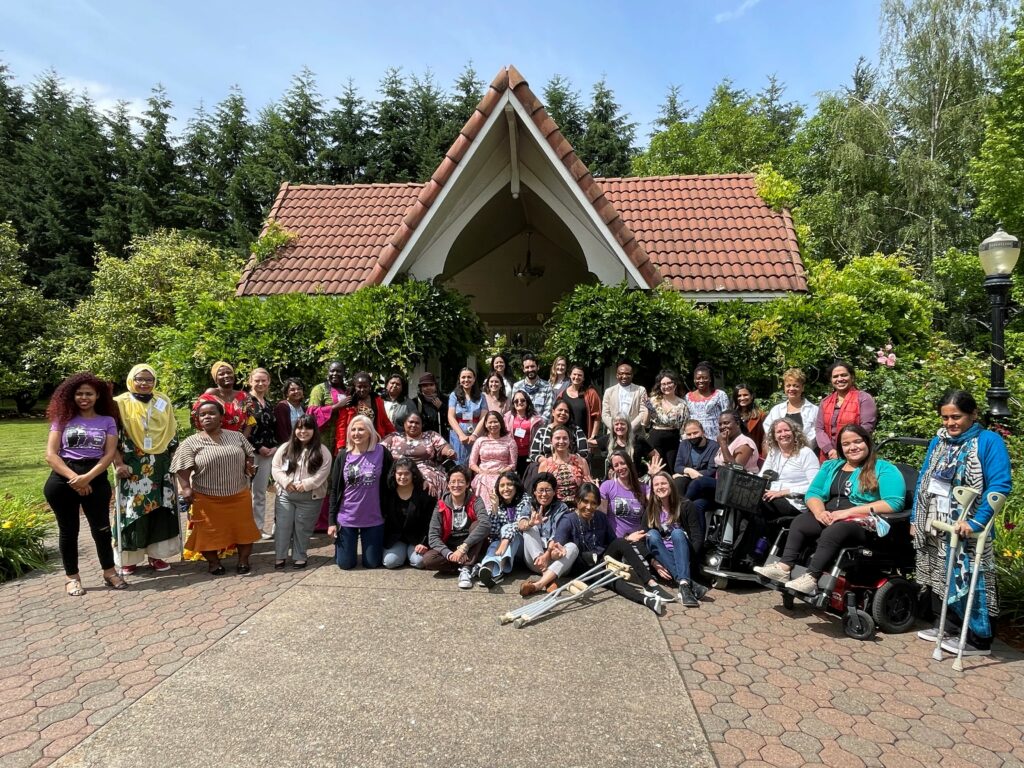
69, 664
771, 687
788, 688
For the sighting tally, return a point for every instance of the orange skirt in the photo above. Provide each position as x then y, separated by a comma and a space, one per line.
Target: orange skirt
219, 522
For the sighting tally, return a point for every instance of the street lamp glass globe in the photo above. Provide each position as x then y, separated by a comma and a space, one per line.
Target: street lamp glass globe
999, 253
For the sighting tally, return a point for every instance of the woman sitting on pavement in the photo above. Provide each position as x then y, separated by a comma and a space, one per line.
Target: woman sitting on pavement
493, 454
962, 453
511, 505
301, 469
842, 502
458, 532
674, 534
734, 447
796, 407
407, 511
538, 531
588, 532
624, 497
561, 415
622, 437
522, 422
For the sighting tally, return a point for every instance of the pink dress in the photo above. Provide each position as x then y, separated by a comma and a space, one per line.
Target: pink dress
492, 455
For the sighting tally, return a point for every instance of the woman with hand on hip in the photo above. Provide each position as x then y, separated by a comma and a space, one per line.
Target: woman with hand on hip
148, 515
82, 444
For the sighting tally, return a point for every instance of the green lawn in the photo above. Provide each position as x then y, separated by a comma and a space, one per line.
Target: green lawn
23, 467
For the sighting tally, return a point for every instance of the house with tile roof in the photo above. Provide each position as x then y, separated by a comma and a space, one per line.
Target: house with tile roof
514, 219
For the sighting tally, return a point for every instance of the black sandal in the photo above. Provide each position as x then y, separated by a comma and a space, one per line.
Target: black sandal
299, 566
218, 571
243, 570
119, 584
279, 564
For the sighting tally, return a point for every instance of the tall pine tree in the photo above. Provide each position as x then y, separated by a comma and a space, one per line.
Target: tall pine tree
113, 231
348, 138
156, 176
563, 105
393, 157
607, 143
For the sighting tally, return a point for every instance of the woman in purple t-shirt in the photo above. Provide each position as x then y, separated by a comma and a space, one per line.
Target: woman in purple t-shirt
82, 443
357, 493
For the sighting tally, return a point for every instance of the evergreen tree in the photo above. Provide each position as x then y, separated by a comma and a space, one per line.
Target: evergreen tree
429, 111
393, 157
783, 119
235, 166
302, 111
348, 138
607, 144
203, 191
156, 177
563, 105
113, 231
14, 122
467, 92
675, 109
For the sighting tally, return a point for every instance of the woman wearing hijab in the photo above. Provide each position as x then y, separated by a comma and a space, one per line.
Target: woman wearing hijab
147, 519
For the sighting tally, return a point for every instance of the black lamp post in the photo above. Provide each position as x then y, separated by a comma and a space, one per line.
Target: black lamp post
998, 255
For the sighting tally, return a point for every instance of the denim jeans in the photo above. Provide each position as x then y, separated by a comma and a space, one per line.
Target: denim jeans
502, 565
372, 539
677, 559
400, 553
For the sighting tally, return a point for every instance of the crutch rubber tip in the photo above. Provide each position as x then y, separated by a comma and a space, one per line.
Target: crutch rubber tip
937, 654
519, 623
507, 618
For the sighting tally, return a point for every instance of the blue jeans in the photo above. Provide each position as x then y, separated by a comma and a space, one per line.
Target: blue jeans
701, 492
677, 559
372, 539
400, 553
502, 565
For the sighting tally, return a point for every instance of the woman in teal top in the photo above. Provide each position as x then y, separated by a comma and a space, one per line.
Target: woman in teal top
842, 501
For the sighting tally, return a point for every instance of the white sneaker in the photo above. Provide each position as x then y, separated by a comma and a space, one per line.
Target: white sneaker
465, 578
805, 584
775, 572
953, 646
932, 634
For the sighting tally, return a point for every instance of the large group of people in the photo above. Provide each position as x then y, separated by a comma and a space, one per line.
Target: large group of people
544, 472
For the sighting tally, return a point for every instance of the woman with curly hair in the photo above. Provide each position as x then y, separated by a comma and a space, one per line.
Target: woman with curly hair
82, 443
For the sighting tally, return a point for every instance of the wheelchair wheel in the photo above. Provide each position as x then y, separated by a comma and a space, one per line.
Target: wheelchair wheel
859, 625
720, 582
894, 606
788, 601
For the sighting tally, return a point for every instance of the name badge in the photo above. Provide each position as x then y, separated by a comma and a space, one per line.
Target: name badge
520, 432
160, 404
147, 443
938, 487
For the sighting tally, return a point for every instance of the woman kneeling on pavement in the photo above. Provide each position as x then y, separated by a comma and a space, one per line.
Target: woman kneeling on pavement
843, 504
458, 531
407, 511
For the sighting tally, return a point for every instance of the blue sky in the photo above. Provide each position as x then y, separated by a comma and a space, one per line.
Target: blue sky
118, 49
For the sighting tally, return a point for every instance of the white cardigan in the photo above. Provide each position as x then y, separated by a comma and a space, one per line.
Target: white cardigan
808, 413
795, 473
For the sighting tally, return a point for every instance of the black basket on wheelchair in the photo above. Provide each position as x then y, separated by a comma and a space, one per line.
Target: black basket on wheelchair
738, 489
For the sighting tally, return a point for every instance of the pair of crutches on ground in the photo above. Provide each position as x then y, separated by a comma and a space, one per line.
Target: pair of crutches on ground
966, 497
603, 574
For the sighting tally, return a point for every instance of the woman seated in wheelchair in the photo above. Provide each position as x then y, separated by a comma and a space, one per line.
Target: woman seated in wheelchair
850, 495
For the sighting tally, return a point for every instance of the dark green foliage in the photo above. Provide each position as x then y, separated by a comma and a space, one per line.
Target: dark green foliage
348, 138
156, 178
393, 157
563, 105
607, 143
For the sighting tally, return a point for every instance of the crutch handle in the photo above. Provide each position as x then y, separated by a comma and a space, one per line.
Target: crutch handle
950, 528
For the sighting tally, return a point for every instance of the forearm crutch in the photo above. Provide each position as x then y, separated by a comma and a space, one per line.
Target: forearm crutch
965, 497
118, 545
601, 575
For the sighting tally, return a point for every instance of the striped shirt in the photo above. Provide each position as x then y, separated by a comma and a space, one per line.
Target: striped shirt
218, 468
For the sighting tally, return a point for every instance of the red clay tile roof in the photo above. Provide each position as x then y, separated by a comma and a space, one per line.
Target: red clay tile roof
711, 233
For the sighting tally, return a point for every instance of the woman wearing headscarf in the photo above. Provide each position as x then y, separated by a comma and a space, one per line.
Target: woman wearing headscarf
147, 518
238, 415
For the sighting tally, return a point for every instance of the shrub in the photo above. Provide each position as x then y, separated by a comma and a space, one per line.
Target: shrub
24, 527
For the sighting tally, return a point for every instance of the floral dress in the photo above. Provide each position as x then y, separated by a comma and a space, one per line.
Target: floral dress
491, 455
147, 516
569, 475
238, 411
427, 451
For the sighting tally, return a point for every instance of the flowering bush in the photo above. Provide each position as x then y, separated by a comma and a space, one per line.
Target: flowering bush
24, 527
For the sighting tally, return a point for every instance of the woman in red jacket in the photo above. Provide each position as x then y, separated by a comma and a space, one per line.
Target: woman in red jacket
364, 403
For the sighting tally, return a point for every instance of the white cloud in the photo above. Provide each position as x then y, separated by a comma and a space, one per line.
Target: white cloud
105, 97
743, 7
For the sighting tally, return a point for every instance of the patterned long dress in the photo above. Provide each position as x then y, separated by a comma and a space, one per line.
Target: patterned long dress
492, 455
147, 518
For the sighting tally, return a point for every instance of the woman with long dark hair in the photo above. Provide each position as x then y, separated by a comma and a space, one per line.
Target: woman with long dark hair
301, 470
842, 503
846, 405
465, 415
408, 506
82, 444
746, 408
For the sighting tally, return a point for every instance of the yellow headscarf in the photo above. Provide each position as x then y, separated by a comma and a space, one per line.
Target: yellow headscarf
217, 366
154, 419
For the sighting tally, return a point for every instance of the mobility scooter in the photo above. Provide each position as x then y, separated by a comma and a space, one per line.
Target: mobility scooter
728, 552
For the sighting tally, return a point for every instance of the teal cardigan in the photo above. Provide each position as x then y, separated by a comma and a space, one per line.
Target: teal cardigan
891, 487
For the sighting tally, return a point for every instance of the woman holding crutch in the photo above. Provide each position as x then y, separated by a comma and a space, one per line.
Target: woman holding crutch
965, 454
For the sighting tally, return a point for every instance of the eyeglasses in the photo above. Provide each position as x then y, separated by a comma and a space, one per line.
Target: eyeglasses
144, 380
543, 491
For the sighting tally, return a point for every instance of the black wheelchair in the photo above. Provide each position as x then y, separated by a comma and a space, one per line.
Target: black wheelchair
869, 586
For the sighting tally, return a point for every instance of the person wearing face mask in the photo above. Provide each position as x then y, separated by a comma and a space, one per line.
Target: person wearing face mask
795, 407
431, 406
264, 440
734, 447
695, 458
326, 399
846, 405
363, 403
148, 517
539, 390
625, 397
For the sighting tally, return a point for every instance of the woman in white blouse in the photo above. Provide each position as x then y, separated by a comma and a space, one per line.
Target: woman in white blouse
301, 469
795, 407
792, 459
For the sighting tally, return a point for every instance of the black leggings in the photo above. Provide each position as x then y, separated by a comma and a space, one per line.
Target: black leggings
65, 503
666, 443
626, 552
805, 529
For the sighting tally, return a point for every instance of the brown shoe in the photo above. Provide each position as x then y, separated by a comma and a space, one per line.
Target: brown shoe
529, 588
551, 587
